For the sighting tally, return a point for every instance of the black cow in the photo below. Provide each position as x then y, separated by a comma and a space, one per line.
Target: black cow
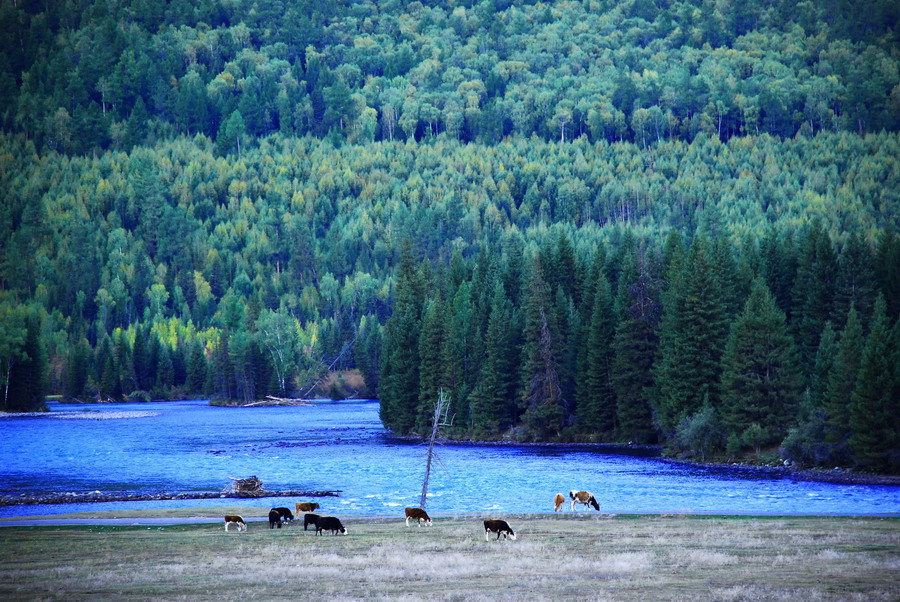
499, 527
309, 519
286, 514
330, 523
274, 518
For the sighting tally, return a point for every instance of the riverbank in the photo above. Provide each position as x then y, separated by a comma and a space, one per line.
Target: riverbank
835, 476
621, 557
100, 496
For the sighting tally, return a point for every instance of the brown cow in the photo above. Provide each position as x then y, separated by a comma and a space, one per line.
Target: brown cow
500, 527
583, 497
419, 515
234, 519
306, 507
558, 501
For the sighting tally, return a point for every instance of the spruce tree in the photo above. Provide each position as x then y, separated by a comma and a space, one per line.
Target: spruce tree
458, 361
840, 386
634, 348
813, 292
760, 381
28, 375
77, 367
855, 283
400, 353
873, 411
491, 397
825, 357
693, 336
432, 340
196, 371
596, 407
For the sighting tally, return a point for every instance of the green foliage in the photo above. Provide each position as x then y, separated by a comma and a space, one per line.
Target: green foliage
699, 434
760, 381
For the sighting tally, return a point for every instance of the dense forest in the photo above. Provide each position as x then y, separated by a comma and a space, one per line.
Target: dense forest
648, 222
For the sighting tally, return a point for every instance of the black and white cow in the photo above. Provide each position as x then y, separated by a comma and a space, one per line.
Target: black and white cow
583, 497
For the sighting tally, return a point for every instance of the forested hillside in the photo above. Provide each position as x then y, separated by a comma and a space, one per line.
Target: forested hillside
597, 221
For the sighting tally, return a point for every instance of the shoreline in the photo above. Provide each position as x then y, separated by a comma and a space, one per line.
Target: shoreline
835, 476
93, 497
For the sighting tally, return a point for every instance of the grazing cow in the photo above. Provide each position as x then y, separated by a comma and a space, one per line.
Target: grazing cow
274, 518
558, 501
500, 527
583, 497
234, 519
419, 515
306, 507
330, 523
309, 519
285, 514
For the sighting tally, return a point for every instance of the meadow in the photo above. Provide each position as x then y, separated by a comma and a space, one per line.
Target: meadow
562, 556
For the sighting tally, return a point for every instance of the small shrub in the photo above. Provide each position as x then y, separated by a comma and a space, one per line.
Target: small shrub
700, 434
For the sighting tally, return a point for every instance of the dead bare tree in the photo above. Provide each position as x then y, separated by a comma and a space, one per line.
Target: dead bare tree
441, 411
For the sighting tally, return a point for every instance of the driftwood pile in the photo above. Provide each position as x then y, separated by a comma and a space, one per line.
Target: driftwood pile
249, 486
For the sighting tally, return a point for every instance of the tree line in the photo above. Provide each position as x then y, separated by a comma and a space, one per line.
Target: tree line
99, 75
705, 345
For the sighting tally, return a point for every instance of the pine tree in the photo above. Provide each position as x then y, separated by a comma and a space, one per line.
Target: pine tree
458, 361
840, 386
825, 357
540, 392
693, 336
77, 367
432, 341
855, 282
28, 376
400, 352
887, 271
140, 360
596, 407
196, 371
873, 411
635, 347
813, 292
760, 382
493, 392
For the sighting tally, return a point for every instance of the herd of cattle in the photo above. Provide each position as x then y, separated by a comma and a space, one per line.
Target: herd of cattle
277, 516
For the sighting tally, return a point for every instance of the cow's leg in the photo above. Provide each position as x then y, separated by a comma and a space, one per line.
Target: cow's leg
407, 521
486, 535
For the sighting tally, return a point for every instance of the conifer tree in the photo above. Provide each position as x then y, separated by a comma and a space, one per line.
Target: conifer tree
196, 371
760, 382
813, 291
596, 407
458, 361
693, 337
77, 367
855, 282
400, 353
840, 386
873, 412
28, 376
490, 400
825, 357
540, 391
635, 346
432, 341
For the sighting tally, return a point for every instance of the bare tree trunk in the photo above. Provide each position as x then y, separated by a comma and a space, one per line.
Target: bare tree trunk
441, 407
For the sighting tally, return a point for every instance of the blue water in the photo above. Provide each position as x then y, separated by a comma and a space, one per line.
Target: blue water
191, 446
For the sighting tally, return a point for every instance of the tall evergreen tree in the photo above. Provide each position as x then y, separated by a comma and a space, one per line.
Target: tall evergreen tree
635, 348
596, 407
196, 371
493, 393
813, 291
840, 386
400, 353
874, 438
760, 381
28, 376
855, 283
432, 378
693, 337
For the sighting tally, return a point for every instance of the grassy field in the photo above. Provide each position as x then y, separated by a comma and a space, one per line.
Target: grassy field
563, 557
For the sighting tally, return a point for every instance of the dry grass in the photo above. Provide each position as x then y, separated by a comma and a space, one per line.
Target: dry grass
589, 557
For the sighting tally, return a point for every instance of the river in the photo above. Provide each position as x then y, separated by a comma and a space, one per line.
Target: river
189, 446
